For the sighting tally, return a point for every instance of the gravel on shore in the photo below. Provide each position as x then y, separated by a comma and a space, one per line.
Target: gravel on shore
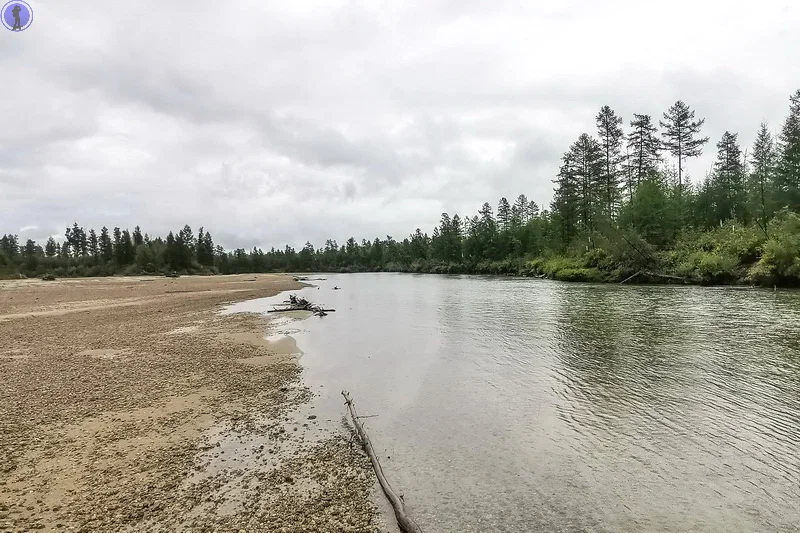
130, 404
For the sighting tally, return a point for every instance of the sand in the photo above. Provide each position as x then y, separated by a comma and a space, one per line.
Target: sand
130, 404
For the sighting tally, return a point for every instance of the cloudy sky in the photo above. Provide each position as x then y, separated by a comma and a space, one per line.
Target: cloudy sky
280, 122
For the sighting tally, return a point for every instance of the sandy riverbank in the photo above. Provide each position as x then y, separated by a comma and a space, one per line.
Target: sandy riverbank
129, 404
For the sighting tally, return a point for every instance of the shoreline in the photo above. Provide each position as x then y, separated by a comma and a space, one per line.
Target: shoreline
284, 339
137, 405
569, 275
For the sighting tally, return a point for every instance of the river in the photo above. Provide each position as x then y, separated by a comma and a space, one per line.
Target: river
522, 405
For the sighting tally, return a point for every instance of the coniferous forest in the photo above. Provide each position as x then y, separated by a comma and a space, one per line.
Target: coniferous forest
622, 207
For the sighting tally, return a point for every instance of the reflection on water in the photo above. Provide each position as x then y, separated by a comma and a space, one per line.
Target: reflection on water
528, 405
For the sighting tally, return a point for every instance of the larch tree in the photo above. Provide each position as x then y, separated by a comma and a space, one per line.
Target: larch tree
504, 214
533, 210
138, 238
728, 180
586, 156
106, 247
609, 132
644, 149
681, 136
94, 248
50, 247
565, 205
520, 210
788, 173
762, 176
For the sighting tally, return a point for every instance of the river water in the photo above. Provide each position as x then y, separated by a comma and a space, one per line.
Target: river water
526, 405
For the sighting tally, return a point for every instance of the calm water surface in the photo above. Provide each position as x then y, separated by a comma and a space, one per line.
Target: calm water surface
526, 405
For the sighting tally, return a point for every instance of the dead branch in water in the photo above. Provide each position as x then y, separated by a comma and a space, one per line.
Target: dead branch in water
629, 278
301, 304
666, 276
657, 275
407, 525
316, 310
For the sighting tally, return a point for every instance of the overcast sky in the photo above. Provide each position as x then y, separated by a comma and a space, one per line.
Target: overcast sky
280, 122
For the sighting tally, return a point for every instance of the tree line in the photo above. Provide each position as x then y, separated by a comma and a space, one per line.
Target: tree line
622, 203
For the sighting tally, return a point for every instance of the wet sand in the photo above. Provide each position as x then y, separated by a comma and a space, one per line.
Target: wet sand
130, 404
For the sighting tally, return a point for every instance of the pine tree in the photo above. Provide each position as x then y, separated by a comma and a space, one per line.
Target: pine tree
728, 179
520, 210
30, 253
762, 176
71, 236
788, 173
609, 132
643, 149
201, 251
565, 206
50, 247
170, 254
679, 133
83, 242
9, 246
533, 210
106, 248
208, 245
127, 251
118, 252
504, 214
586, 156
94, 249
138, 239
29, 250
454, 248
65, 252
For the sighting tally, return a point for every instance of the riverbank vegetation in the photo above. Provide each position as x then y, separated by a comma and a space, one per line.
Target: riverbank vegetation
623, 206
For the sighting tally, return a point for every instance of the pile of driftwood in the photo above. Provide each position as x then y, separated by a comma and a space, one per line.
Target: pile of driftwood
301, 304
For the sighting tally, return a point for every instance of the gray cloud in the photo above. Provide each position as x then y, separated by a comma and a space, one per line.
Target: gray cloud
281, 122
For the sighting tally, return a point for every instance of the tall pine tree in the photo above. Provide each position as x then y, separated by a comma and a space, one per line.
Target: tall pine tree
643, 150
609, 131
728, 180
680, 136
789, 161
762, 177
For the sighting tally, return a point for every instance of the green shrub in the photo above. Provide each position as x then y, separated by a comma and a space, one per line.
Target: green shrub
578, 274
780, 254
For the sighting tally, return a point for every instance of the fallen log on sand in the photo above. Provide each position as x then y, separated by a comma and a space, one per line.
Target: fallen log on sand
406, 523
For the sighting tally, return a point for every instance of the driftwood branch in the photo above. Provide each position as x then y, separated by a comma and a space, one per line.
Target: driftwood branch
298, 309
301, 304
658, 275
629, 278
666, 276
407, 525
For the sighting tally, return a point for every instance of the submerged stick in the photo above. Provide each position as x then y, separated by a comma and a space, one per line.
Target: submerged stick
407, 525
